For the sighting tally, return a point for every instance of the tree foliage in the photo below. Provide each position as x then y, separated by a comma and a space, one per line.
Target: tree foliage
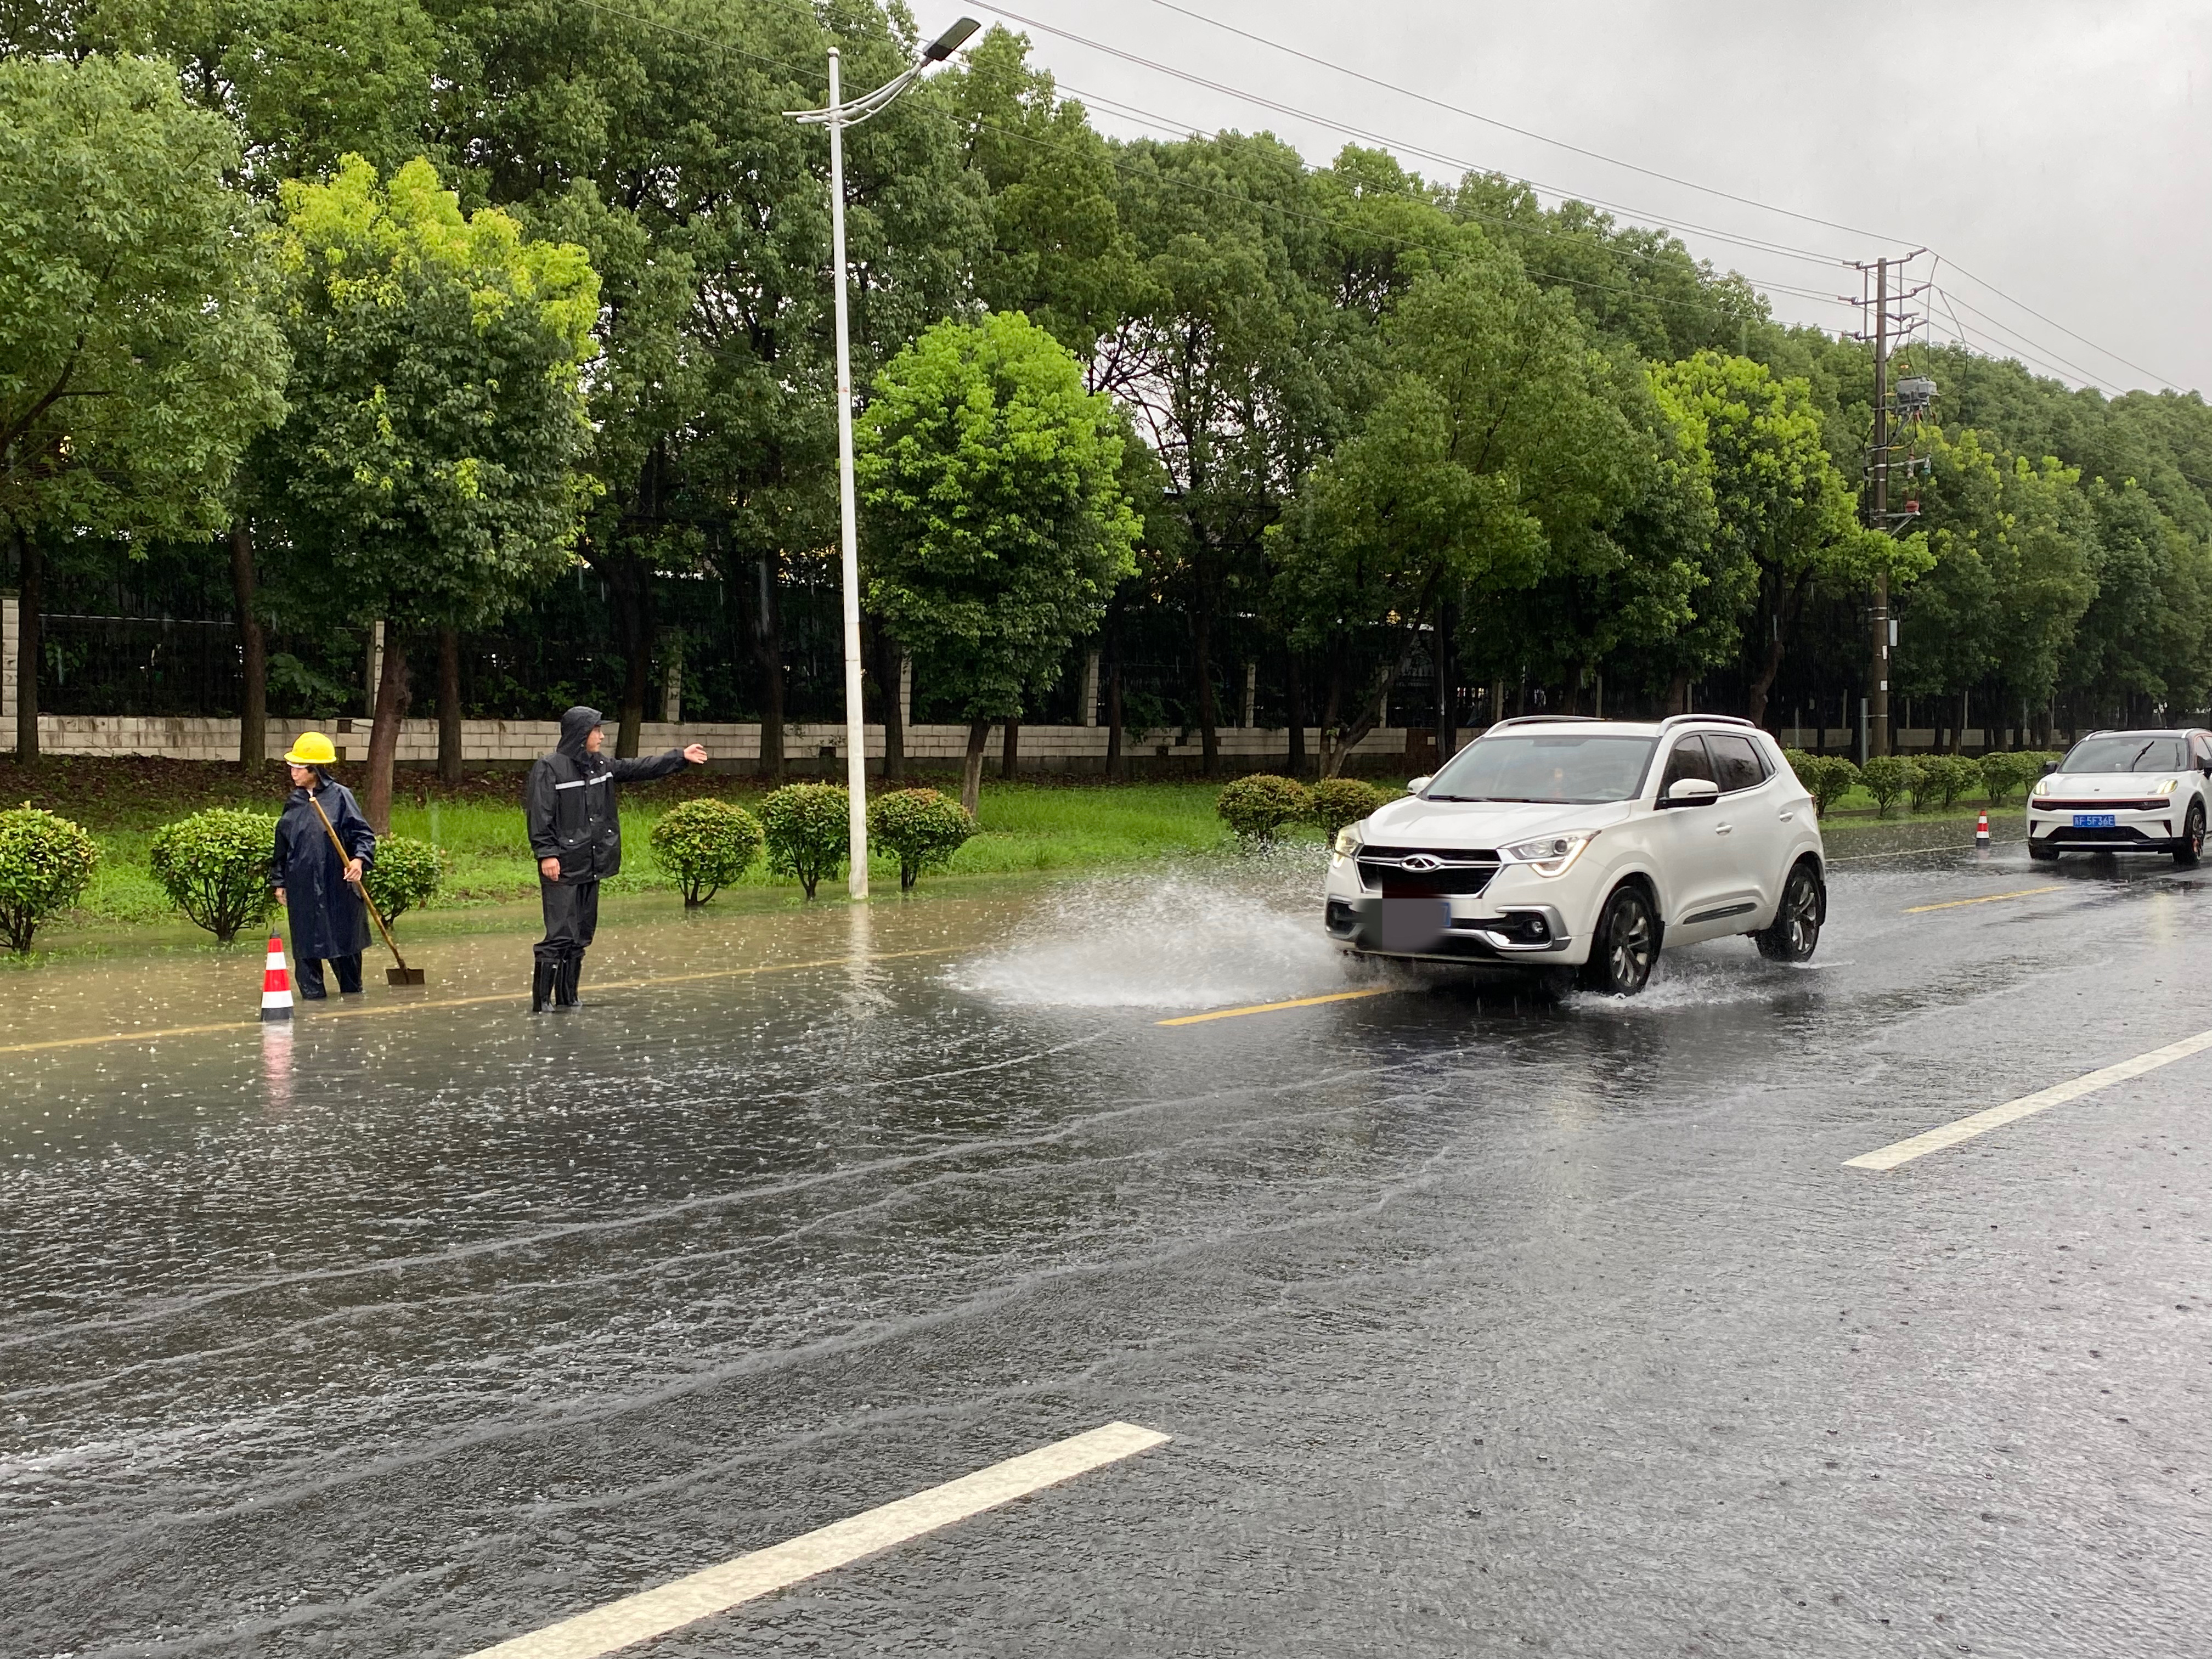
47, 862
706, 845
921, 828
214, 866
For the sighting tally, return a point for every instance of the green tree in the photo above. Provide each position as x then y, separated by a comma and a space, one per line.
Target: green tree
426, 474
1783, 504
996, 524
135, 358
1500, 450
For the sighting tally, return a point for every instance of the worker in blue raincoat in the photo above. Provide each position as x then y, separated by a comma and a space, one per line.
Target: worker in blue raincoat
320, 891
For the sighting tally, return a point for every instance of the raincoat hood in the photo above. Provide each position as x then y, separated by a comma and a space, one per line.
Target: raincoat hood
577, 725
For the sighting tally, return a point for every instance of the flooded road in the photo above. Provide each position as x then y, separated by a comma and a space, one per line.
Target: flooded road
1480, 1319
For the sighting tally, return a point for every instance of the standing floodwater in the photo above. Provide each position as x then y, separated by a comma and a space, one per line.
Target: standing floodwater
1478, 1321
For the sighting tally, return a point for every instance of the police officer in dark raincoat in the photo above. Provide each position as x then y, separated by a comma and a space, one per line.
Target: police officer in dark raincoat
576, 833
320, 891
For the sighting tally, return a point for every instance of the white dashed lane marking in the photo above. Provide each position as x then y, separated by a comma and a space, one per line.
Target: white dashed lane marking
717, 1590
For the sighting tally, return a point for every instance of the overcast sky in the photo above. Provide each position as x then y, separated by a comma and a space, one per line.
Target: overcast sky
2055, 148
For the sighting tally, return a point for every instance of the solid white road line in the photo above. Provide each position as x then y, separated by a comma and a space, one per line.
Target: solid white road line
1950, 1134
656, 1611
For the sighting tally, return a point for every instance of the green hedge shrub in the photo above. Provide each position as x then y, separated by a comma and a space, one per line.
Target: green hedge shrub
46, 864
1339, 801
706, 845
922, 828
1258, 806
2003, 771
214, 866
806, 832
1888, 778
405, 873
1826, 778
1943, 780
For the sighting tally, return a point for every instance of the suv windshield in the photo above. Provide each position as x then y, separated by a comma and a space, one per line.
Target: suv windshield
1566, 766
2135, 753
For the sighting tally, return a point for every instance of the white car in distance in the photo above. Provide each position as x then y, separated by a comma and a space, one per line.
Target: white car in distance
1588, 845
2125, 792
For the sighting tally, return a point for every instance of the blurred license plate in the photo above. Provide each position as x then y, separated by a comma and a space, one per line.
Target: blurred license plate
1409, 923
2095, 821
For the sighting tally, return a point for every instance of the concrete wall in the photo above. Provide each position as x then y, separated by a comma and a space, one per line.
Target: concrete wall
1043, 748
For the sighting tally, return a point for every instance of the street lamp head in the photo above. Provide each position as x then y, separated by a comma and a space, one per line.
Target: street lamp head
950, 41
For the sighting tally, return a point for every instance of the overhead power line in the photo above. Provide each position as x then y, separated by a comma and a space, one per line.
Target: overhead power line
1524, 132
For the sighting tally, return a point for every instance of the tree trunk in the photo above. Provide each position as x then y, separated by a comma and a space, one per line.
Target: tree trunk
30, 588
887, 674
449, 705
971, 772
1010, 755
1371, 713
1294, 697
253, 653
1117, 766
767, 657
391, 700
1209, 717
1447, 698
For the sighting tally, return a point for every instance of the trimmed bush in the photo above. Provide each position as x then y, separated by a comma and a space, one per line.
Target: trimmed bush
46, 864
1339, 801
404, 874
706, 845
806, 832
1943, 780
922, 827
1888, 778
1257, 807
2000, 775
1826, 778
214, 866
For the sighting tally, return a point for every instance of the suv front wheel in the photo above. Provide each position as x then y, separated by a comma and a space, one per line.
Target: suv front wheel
2192, 846
1795, 930
1623, 945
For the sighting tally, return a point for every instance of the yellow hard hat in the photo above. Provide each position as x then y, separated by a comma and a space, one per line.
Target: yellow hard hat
312, 749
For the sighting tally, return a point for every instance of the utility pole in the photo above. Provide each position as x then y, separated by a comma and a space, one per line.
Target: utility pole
1874, 723
1878, 673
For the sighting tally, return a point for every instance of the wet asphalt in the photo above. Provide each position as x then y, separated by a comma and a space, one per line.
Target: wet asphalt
1484, 1321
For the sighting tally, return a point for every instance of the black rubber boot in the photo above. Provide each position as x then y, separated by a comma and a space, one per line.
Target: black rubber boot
564, 987
543, 975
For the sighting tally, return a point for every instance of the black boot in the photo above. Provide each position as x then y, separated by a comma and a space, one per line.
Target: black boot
543, 975
564, 987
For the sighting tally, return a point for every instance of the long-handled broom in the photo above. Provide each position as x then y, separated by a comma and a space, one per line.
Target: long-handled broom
403, 974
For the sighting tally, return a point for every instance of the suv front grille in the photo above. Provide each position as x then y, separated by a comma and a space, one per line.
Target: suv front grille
1440, 871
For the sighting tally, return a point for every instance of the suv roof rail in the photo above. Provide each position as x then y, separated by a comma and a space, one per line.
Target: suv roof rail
1723, 719
1542, 719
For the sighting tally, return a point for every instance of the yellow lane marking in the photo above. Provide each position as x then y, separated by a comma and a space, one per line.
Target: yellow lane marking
1965, 1128
670, 1606
1987, 898
1270, 1008
318, 1016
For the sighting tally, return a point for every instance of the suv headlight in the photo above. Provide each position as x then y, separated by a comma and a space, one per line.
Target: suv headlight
2166, 786
1347, 843
1549, 855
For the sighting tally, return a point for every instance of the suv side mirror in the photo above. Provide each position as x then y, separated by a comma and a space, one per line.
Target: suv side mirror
1414, 786
2049, 767
1691, 792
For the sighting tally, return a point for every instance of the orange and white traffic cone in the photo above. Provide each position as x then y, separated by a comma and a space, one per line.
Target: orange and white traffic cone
276, 984
1981, 831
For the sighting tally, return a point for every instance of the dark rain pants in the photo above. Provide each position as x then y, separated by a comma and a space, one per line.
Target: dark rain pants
311, 975
572, 916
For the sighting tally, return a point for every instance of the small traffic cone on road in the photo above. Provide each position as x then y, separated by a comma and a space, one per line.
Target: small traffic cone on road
1981, 831
276, 984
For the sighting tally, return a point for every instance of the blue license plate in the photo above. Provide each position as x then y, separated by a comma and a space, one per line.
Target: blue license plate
2095, 821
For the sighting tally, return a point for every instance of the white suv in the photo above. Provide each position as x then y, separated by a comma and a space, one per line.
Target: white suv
1586, 844
2125, 792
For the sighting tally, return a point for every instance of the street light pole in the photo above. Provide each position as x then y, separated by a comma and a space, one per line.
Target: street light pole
837, 115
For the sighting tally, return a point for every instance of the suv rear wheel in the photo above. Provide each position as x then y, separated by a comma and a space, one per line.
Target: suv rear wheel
1795, 930
1624, 946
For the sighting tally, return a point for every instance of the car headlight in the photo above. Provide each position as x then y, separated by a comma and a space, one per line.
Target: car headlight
2166, 786
1549, 855
1347, 843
